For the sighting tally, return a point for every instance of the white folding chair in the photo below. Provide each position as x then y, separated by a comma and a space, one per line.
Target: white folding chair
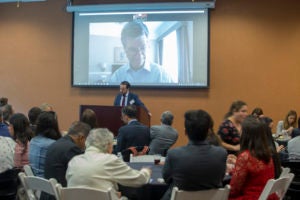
28, 171
72, 193
34, 184
284, 171
212, 194
277, 186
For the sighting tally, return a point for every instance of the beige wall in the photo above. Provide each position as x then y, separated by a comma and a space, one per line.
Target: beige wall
254, 56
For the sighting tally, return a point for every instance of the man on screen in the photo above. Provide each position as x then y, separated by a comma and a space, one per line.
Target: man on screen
134, 37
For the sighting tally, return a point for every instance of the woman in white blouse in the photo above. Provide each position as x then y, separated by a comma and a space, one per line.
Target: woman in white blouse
288, 124
7, 146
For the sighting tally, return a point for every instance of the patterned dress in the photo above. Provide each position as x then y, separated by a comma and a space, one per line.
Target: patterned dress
229, 134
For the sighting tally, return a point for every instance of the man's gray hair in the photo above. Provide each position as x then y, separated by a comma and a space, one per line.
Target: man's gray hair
99, 138
167, 118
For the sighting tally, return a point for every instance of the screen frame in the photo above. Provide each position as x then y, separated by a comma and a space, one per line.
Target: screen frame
108, 8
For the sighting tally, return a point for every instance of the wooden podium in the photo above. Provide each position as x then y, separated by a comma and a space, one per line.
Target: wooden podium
110, 116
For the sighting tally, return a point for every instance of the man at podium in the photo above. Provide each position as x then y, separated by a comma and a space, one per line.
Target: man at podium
125, 98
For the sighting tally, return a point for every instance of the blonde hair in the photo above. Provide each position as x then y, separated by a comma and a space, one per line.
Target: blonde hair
286, 124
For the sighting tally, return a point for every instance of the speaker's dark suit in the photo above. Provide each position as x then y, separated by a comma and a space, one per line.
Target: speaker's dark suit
132, 99
196, 166
132, 134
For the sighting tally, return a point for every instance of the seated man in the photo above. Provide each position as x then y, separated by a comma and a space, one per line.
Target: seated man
198, 165
163, 136
98, 168
293, 148
63, 150
133, 133
296, 131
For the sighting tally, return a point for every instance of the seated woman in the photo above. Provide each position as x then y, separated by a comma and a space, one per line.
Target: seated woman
288, 124
7, 146
230, 129
98, 168
20, 130
257, 112
47, 132
254, 165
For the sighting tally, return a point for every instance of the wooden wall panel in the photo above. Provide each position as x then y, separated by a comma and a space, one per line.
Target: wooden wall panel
254, 56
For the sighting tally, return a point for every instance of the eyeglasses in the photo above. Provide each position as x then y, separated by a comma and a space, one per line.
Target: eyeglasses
133, 50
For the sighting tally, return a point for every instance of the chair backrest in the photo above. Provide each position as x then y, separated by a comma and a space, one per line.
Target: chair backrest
277, 186
284, 171
28, 192
72, 193
28, 171
34, 184
212, 194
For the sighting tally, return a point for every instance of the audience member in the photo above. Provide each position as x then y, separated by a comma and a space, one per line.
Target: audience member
296, 131
22, 134
257, 112
46, 107
275, 148
254, 165
7, 112
212, 137
140, 69
288, 124
133, 133
126, 98
33, 115
268, 121
89, 117
269, 124
163, 136
3, 126
230, 129
47, 132
293, 148
7, 146
98, 168
198, 165
3, 101
63, 150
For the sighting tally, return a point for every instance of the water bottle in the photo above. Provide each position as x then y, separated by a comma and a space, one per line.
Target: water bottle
119, 155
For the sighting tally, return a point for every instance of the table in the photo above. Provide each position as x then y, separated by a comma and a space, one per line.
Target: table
154, 190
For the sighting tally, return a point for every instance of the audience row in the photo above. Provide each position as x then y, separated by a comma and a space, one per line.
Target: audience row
243, 147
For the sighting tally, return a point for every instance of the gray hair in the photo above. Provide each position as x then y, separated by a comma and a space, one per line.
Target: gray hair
167, 118
99, 138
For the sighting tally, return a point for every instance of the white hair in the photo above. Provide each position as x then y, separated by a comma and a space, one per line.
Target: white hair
99, 138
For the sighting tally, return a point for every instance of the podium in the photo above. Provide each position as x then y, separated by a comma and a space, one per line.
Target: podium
110, 116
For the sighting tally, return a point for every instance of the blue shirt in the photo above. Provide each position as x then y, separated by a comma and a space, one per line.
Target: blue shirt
4, 130
150, 73
37, 154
